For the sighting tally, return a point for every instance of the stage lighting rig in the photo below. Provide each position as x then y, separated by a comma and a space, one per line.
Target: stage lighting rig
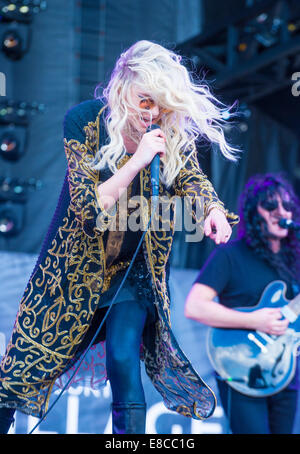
17, 189
13, 143
252, 53
11, 219
262, 32
14, 121
15, 20
14, 193
20, 11
15, 42
12, 208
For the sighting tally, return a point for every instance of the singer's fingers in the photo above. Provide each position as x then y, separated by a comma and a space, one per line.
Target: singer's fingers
207, 227
159, 141
161, 152
278, 314
158, 133
216, 236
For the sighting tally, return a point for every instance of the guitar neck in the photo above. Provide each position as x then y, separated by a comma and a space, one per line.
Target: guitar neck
292, 310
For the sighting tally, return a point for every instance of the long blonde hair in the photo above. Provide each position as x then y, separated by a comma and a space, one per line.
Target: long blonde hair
190, 109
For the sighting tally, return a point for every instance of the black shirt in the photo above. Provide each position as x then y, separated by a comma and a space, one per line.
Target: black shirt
238, 275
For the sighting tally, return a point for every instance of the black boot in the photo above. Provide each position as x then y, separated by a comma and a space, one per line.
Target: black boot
6, 419
128, 417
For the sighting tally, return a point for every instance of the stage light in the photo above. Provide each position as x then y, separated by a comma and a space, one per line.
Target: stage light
18, 112
9, 147
16, 18
14, 123
262, 18
7, 223
242, 47
292, 28
17, 189
243, 127
266, 39
14, 194
24, 10
9, 8
13, 142
13, 45
226, 115
11, 218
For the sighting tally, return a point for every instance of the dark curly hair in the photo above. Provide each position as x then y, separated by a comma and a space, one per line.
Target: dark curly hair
259, 188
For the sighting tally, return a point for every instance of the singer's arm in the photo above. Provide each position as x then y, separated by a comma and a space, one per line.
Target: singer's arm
112, 189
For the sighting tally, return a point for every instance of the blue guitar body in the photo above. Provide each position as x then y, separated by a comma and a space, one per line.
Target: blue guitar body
252, 362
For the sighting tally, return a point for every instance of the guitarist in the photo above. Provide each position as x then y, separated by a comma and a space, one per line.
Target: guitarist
236, 274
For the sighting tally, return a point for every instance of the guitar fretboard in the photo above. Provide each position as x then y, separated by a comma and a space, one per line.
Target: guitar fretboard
294, 305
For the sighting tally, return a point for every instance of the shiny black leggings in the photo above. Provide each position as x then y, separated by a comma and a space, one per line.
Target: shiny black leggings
124, 329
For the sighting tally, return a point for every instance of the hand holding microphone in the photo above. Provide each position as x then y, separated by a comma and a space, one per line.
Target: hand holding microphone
151, 144
154, 168
149, 151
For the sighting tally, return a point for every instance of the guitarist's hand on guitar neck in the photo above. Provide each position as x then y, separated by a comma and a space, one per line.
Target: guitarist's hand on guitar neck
268, 320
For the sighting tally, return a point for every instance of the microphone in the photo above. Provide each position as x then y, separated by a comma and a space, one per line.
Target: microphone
289, 224
154, 168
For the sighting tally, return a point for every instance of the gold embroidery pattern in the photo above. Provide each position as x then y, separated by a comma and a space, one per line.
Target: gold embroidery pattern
116, 236
192, 182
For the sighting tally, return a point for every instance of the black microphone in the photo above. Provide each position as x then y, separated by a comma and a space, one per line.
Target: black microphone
154, 168
289, 224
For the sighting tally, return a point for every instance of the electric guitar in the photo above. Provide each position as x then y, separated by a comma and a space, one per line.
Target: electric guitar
252, 362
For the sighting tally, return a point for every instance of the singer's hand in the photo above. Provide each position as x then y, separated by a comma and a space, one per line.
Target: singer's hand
217, 227
152, 142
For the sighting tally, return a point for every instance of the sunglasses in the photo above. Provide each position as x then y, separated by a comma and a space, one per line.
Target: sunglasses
146, 103
271, 205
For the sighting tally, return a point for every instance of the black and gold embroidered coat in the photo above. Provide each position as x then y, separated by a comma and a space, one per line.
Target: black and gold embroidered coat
64, 292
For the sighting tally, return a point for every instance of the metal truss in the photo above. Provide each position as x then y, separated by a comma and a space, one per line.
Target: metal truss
254, 54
